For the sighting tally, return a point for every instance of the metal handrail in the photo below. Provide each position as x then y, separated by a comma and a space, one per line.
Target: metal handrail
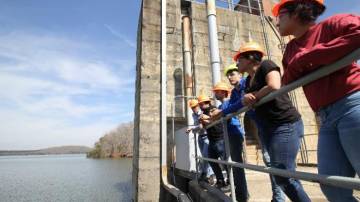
337, 181
324, 71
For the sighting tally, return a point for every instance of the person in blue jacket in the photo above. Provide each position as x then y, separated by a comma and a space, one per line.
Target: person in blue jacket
236, 138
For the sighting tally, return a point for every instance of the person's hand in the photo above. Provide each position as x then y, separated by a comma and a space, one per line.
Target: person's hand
188, 130
249, 99
204, 117
216, 114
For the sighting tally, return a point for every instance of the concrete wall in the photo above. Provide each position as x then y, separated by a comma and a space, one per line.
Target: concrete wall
146, 160
233, 31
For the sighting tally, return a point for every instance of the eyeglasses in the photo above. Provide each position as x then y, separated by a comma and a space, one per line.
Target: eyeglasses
282, 13
239, 58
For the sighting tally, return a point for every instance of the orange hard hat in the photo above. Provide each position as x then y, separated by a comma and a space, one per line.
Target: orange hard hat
249, 47
203, 98
277, 7
221, 86
193, 103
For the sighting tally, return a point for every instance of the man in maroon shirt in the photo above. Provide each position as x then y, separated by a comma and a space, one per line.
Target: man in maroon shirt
336, 97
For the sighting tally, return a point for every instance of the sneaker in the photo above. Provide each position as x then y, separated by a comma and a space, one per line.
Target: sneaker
212, 180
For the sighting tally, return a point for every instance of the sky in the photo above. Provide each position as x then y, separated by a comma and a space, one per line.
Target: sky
67, 69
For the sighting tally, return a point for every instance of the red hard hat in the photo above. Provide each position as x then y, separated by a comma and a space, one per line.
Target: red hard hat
277, 7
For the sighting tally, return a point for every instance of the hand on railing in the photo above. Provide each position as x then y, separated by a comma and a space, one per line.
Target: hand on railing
216, 114
204, 119
249, 99
195, 129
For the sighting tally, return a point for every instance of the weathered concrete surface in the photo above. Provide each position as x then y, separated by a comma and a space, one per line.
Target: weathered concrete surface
260, 188
233, 31
146, 160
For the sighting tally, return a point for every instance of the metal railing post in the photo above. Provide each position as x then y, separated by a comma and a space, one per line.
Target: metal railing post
249, 6
336, 181
196, 156
228, 159
230, 4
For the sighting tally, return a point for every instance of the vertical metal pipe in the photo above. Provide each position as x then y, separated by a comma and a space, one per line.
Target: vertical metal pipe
163, 89
262, 21
196, 156
187, 67
170, 188
230, 4
228, 159
249, 6
213, 40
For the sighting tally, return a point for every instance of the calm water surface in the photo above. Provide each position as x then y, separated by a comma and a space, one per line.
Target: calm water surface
64, 178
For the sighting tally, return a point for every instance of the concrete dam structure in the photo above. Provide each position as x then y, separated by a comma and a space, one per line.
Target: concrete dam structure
189, 73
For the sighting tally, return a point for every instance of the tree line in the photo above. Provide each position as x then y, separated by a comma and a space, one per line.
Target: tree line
115, 144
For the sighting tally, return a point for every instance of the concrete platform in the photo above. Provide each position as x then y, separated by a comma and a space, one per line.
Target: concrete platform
260, 189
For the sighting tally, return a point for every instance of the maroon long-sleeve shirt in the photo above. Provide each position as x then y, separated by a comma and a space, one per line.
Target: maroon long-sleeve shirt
323, 44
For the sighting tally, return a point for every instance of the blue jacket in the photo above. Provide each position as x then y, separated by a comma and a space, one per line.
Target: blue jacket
233, 125
237, 94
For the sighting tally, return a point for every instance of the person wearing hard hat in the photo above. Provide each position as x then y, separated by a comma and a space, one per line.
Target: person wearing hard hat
235, 103
235, 79
215, 135
206, 172
236, 138
336, 97
281, 123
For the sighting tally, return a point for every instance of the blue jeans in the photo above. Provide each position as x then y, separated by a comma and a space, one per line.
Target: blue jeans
283, 142
205, 168
278, 195
236, 150
339, 144
217, 150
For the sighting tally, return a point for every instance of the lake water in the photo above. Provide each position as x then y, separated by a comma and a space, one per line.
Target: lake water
64, 178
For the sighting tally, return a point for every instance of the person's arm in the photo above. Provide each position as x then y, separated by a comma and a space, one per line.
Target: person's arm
273, 80
235, 102
234, 107
347, 30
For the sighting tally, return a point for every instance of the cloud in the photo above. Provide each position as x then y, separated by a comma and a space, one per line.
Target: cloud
56, 91
58, 57
20, 131
120, 36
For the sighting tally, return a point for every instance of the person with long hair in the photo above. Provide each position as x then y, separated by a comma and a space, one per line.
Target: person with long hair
336, 97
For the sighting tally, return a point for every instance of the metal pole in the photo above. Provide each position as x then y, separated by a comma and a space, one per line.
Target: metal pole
213, 40
187, 67
228, 159
196, 157
170, 188
336, 181
264, 30
230, 4
249, 6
